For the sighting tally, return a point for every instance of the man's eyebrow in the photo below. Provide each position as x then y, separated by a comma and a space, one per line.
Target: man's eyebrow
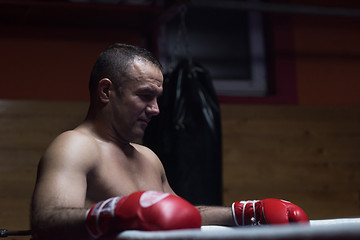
149, 90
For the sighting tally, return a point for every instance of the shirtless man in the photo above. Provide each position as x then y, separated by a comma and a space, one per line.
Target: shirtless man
97, 160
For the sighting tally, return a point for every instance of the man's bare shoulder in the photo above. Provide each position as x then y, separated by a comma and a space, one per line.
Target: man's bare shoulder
72, 148
150, 156
144, 150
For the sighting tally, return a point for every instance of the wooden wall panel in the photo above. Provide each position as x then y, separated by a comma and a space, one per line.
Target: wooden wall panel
26, 128
308, 155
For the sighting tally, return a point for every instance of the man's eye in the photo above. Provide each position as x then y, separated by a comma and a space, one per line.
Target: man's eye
146, 97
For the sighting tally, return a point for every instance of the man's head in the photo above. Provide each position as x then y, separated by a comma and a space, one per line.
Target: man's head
113, 63
124, 86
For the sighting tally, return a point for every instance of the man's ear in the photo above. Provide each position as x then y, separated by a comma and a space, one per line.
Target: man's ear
104, 87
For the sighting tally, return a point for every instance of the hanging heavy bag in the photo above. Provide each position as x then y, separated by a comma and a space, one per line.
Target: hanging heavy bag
187, 134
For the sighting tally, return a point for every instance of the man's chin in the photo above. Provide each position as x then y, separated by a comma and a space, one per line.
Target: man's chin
139, 134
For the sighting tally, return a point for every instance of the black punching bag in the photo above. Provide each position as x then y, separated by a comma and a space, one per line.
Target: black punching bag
187, 134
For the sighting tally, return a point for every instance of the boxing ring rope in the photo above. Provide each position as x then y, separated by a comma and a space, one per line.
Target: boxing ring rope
346, 228
5, 233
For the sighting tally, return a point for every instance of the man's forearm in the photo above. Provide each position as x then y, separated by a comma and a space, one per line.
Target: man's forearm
216, 215
59, 223
69, 223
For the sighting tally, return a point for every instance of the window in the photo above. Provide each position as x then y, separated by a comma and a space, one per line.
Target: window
226, 41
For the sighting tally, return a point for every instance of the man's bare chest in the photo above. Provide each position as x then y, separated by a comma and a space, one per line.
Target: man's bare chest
120, 176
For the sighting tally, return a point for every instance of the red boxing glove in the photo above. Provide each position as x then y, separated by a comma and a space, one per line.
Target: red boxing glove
267, 211
147, 211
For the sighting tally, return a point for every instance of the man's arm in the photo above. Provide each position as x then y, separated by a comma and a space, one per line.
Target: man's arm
154, 159
210, 215
216, 215
58, 206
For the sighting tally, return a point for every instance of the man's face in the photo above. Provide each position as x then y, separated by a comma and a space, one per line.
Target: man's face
133, 110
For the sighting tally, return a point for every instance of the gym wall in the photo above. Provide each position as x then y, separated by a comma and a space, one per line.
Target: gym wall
301, 144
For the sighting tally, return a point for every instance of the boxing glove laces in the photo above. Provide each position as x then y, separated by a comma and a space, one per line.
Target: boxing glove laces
146, 210
267, 211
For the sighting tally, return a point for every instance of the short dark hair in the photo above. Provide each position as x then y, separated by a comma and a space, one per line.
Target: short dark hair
113, 63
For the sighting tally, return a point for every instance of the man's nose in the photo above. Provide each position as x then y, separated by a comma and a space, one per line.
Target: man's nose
153, 108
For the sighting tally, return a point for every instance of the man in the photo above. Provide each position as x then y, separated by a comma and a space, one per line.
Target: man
98, 161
